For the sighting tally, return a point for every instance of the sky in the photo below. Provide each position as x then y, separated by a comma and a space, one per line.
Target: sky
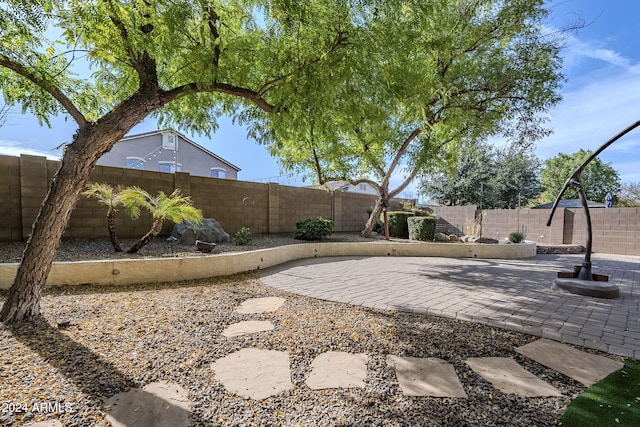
601, 97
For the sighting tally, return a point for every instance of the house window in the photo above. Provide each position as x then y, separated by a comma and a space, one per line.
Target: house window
169, 167
218, 173
363, 186
169, 140
135, 163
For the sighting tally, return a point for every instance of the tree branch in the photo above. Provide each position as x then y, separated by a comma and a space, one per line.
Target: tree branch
50, 88
241, 92
396, 160
212, 22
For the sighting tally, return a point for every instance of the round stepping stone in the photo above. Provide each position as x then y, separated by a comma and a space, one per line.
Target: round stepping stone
260, 305
246, 328
255, 373
426, 377
336, 369
506, 375
581, 366
158, 404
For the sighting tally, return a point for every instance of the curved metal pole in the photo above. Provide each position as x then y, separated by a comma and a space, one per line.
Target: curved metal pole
579, 169
575, 180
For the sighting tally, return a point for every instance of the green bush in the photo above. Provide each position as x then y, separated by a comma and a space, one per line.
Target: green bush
398, 226
242, 237
516, 237
313, 229
422, 228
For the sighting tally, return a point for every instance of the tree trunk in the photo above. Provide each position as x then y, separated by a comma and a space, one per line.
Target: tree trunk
156, 227
373, 218
111, 225
23, 301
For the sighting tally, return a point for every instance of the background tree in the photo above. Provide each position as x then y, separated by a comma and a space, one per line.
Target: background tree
442, 75
487, 176
598, 178
185, 62
629, 194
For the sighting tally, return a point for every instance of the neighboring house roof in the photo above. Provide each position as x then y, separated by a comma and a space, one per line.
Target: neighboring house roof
571, 203
198, 146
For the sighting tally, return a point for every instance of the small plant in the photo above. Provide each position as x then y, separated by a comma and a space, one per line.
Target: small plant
242, 237
516, 237
313, 229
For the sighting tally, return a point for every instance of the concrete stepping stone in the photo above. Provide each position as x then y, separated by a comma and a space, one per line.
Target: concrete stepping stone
255, 373
581, 366
426, 377
246, 328
506, 375
158, 404
260, 305
337, 369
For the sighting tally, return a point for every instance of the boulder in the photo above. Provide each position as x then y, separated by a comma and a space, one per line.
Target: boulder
441, 237
487, 240
209, 230
453, 238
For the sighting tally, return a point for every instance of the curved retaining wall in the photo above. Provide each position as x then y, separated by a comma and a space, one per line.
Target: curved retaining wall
147, 270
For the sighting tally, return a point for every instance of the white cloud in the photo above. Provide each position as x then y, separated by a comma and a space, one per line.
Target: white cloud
13, 148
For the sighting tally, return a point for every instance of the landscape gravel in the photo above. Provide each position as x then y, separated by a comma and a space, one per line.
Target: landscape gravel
96, 341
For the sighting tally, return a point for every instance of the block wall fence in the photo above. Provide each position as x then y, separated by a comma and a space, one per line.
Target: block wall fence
273, 208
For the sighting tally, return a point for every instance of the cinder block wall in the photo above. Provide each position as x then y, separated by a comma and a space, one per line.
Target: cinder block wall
499, 223
10, 198
272, 208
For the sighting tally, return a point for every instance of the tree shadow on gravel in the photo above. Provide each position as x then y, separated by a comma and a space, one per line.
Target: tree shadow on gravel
94, 376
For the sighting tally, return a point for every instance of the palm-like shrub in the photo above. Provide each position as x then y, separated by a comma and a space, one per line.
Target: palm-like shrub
174, 207
108, 197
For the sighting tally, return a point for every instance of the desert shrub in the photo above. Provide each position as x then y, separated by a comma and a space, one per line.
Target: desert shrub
516, 237
242, 237
313, 229
398, 226
422, 228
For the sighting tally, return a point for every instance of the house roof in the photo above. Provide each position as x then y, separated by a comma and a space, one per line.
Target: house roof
571, 203
198, 146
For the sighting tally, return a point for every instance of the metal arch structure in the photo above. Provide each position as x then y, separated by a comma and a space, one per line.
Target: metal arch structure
575, 180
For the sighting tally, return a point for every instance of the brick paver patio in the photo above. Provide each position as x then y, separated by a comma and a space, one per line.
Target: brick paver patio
511, 294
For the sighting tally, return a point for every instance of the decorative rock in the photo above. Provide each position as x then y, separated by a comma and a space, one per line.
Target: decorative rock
209, 230
509, 377
156, 405
453, 238
441, 237
246, 328
426, 377
488, 240
336, 369
255, 373
260, 305
581, 366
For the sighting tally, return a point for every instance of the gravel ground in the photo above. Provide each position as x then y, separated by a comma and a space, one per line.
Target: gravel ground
84, 249
94, 342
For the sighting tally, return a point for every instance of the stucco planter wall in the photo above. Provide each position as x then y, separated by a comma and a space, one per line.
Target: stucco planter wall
132, 271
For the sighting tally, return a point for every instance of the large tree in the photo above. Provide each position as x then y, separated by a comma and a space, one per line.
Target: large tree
598, 178
487, 176
443, 74
118, 61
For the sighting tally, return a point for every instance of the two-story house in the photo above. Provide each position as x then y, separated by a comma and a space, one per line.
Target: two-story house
167, 151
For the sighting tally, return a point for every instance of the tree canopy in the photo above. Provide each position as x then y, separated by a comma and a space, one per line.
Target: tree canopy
108, 64
598, 178
423, 80
487, 176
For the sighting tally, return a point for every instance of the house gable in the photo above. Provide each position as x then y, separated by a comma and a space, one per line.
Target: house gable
168, 151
